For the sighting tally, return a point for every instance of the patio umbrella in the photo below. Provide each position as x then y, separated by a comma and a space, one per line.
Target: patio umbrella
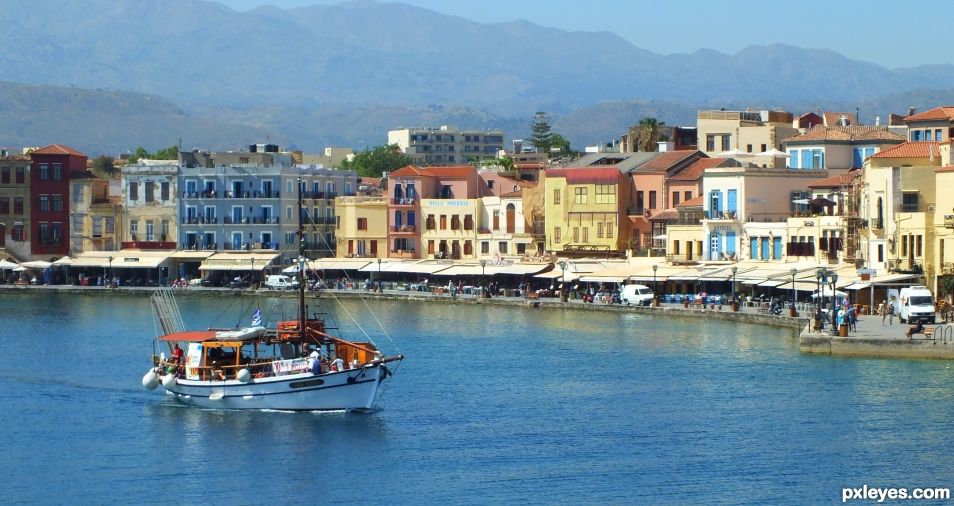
735, 153
64, 261
774, 153
36, 264
826, 292
6, 264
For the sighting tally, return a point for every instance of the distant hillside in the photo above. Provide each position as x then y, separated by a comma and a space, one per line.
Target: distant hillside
360, 53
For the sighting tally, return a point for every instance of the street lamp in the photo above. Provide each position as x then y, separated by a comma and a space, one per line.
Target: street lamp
794, 271
483, 275
110, 271
379, 274
735, 270
834, 311
819, 274
562, 264
655, 301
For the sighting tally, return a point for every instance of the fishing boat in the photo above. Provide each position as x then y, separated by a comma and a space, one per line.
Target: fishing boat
297, 365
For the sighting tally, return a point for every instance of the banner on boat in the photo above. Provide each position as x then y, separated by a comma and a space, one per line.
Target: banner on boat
293, 366
193, 361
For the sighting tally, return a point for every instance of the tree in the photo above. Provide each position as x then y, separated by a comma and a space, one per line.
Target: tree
103, 166
542, 136
649, 132
558, 141
170, 153
376, 161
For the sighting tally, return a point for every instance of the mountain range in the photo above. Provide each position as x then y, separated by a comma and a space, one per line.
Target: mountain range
138, 72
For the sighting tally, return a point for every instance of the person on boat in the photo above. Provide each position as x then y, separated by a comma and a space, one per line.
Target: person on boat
337, 364
314, 362
217, 374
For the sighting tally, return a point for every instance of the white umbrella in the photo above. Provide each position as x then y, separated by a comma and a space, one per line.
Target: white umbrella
775, 153
826, 292
660, 237
6, 264
64, 261
36, 264
735, 153
19, 268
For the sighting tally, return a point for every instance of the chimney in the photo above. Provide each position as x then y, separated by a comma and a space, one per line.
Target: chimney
911, 110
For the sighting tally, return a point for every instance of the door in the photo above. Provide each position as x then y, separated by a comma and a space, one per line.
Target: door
732, 201
374, 248
777, 247
765, 248
754, 248
511, 218
715, 246
266, 189
266, 240
236, 240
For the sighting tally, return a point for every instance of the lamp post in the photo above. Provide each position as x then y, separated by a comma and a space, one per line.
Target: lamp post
379, 274
819, 274
735, 302
834, 309
655, 300
483, 275
791, 308
110, 271
562, 264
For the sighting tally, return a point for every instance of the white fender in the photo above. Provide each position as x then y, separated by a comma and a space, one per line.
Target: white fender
151, 380
244, 375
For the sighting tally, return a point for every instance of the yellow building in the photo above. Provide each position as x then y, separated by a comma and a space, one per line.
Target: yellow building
744, 131
450, 228
898, 206
684, 237
584, 210
15, 206
361, 226
96, 215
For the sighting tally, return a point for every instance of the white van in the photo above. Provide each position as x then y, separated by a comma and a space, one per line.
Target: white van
636, 294
280, 282
915, 303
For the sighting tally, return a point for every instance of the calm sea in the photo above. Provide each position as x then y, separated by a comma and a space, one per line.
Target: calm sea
494, 405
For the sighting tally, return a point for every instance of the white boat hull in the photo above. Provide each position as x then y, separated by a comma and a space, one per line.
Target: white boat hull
354, 389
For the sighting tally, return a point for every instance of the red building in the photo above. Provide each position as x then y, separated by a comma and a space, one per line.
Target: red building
50, 172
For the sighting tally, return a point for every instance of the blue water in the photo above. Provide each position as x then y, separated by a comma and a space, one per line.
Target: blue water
494, 405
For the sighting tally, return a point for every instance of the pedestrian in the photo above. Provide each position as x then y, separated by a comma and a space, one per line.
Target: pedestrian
883, 311
890, 314
852, 319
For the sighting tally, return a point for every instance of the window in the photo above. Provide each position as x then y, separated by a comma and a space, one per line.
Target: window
18, 232
586, 234
5, 175
4, 205
17, 205
710, 142
485, 247
490, 183
165, 230
881, 253
556, 234
21, 175
44, 202
468, 222
599, 230
164, 191
576, 234
726, 142
443, 222
764, 148
609, 229
605, 194
675, 247
918, 244
915, 135
362, 223
640, 202
580, 195
57, 202
904, 245
748, 148
430, 247
44, 172
909, 202
937, 134
44, 231
57, 172
150, 191
687, 195
150, 231
652, 199
455, 222
675, 199
556, 195
134, 229
133, 190
430, 223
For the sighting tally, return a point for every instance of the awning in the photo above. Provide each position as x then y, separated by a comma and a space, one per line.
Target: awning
772, 283
338, 264
123, 259
462, 270
63, 261
602, 279
516, 269
6, 264
191, 255
238, 262
557, 274
36, 264
857, 286
412, 266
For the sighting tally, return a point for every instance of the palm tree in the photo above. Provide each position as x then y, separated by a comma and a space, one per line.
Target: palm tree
649, 133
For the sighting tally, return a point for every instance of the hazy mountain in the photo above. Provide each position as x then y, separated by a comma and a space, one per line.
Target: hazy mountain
362, 52
346, 73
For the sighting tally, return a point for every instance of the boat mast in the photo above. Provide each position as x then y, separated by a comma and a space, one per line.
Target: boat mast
301, 265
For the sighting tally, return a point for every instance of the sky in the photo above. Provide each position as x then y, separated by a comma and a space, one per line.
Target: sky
874, 30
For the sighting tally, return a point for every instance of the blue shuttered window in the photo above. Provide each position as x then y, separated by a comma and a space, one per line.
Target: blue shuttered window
754, 249
732, 200
765, 248
730, 242
777, 246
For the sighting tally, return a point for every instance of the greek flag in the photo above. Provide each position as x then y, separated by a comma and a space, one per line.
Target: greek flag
257, 318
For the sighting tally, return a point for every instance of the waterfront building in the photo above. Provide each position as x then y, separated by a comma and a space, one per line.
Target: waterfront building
447, 144
329, 157
654, 204
361, 226
684, 235
671, 138
898, 207
51, 169
151, 200
735, 198
96, 214
837, 147
681, 187
744, 132
827, 213
586, 208
935, 124
942, 264
15, 205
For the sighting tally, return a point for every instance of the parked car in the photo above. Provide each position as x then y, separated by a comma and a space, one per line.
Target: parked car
636, 294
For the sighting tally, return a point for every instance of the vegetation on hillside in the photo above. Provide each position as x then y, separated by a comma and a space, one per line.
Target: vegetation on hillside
376, 161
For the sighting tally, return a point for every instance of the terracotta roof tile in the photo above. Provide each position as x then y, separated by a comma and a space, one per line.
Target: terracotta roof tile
584, 175
912, 149
698, 200
944, 112
57, 149
834, 118
946, 168
668, 214
694, 171
15, 158
518, 193
835, 181
845, 133
664, 161
436, 171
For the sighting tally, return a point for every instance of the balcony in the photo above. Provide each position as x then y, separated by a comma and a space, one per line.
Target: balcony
403, 253
404, 229
722, 216
149, 244
406, 201
949, 221
200, 220
251, 220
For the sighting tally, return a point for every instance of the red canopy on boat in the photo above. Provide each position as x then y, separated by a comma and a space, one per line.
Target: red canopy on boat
190, 335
